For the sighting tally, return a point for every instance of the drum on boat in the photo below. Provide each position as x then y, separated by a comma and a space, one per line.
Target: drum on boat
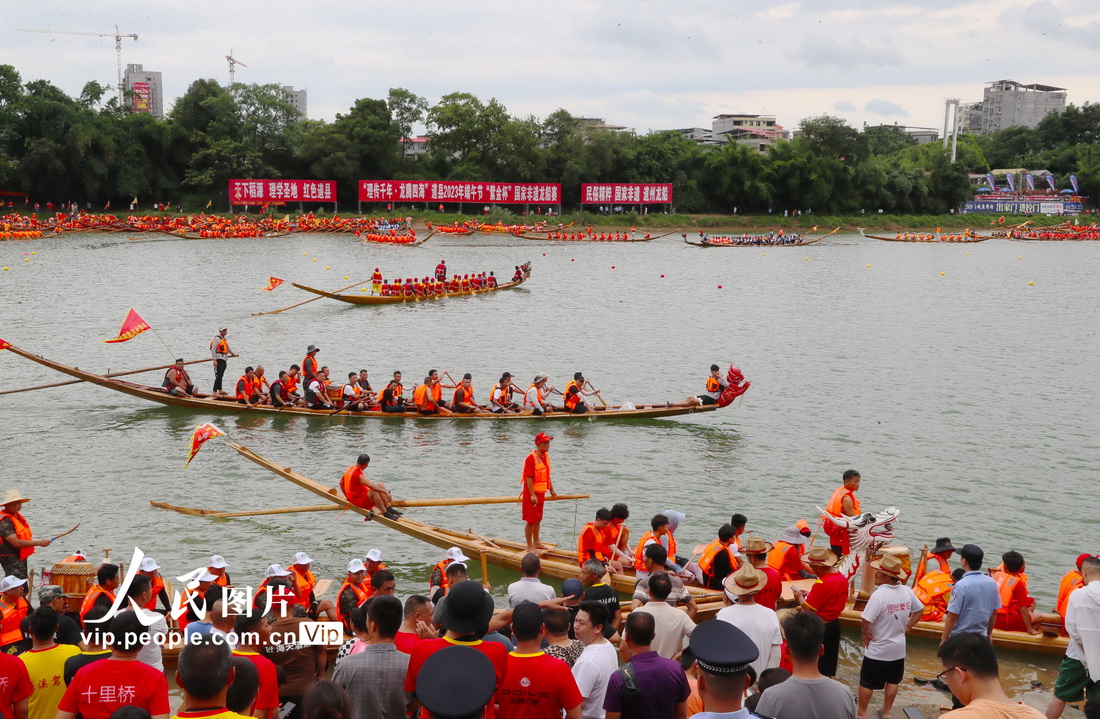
74, 578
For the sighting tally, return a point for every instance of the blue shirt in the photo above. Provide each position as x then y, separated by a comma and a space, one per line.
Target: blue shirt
973, 600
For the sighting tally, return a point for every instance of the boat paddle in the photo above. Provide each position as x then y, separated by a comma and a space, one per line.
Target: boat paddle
598, 395
64, 534
275, 312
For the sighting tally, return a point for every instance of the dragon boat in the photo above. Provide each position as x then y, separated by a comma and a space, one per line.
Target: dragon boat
756, 240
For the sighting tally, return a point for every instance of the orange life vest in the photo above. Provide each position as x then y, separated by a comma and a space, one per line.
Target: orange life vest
922, 569
541, 481
309, 367
352, 488
777, 560
538, 394
219, 345
713, 385
22, 531
598, 544
1006, 583
306, 582
639, 552
464, 395
362, 593
572, 400
420, 397
1066, 587
73, 558
221, 580
90, 599
11, 617
933, 590
836, 503
247, 388
157, 584
706, 559
442, 567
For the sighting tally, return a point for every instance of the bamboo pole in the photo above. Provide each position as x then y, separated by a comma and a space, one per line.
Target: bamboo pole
112, 374
457, 501
318, 297
213, 513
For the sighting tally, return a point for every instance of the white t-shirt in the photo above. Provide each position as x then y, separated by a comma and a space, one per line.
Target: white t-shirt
888, 611
760, 624
592, 671
318, 389
150, 653
532, 398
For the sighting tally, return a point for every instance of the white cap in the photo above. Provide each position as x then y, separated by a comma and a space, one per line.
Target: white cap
208, 577
218, 562
80, 553
10, 582
356, 565
456, 554
374, 555
275, 570
302, 558
149, 565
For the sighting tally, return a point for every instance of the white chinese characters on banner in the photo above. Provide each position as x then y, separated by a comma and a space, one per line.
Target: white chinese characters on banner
258, 192
632, 193
501, 193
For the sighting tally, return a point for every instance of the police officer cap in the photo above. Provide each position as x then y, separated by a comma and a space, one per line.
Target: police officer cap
456, 683
721, 648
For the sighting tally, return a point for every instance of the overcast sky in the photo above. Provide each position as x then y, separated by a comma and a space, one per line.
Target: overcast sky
644, 64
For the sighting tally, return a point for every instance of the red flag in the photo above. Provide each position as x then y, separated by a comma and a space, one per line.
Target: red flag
132, 326
107, 206
4, 345
199, 437
272, 283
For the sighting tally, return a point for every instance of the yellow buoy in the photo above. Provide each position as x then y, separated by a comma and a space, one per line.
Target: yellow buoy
314, 259
1019, 258
304, 254
26, 259
1029, 283
868, 266
806, 258
346, 277
968, 253
328, 268
765, 254
941, 274
5, 269
34, 253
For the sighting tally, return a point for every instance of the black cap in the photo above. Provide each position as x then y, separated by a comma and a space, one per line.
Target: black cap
943, 544
572, 587
972, 553
456, 682
468, 609
721, 648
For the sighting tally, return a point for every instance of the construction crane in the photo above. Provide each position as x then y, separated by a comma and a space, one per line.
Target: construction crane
118, 49
233, 62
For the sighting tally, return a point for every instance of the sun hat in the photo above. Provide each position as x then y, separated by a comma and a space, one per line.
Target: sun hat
275, 570
891, 565
819, 556
746, 580
943, 544
13, 495
10, 582
374, 555
755, 545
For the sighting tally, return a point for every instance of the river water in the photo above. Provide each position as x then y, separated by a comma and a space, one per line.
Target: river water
964, 395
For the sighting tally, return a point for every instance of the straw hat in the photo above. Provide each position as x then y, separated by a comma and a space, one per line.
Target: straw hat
891, 565
746, 580
755, 545
12, 495
819, 556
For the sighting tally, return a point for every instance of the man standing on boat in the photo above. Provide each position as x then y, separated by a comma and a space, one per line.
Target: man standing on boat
536, 483
843, 502
220, 353
16, 541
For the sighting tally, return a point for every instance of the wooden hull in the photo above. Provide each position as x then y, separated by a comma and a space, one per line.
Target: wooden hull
377, 300
585, 239
205, 403
948, 242
803, 243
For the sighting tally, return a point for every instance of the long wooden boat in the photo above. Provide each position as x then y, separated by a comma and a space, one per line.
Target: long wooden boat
208, 403
365, 299
591, 239
366, 237
563, 564
805, 241
939, 238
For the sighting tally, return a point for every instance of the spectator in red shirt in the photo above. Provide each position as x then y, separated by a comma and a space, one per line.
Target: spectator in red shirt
537, 686
100, 688
826, 599
416, 625
253, 632
15, 687
466, 615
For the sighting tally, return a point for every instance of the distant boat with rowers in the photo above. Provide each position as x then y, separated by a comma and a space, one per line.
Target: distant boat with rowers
207, 403
952, 237
403, 298
757, 240
561, 236
562, 563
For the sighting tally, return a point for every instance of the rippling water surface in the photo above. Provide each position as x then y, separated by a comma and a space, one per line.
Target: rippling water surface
965, 396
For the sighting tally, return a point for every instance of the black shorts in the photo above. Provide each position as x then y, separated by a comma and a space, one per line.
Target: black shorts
703, 399
580, 409
876, 673
394, 408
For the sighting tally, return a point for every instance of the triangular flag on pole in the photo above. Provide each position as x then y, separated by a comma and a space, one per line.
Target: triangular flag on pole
132, 326
200, 436
272, 283
209, 203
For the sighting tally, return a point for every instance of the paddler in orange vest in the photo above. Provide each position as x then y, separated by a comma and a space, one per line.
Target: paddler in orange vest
438, 578
436, 387
14, 607
786, 557
934, 591
717, 560
309, 364
151, 569
217, 567
593, 541
363, 493
248, 391
102, 593
305, 581
463, 400
537, 395
220, 353
376, 281
16, 540
575, 396
372, 560
937, 557
618, 538
1016, 603
536, 483
353, 592
1070, 581
843, 502
177, 380
423, 401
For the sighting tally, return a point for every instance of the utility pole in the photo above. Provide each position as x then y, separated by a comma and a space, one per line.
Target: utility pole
118, 49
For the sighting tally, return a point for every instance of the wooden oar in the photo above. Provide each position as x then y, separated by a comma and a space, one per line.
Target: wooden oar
488, 541
112, 374
598, 396
275, 312
253, 513
457, 501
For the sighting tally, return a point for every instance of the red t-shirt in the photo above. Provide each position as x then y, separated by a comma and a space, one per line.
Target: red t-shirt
406, 641
268, 696
100, 688
496, 652
537, 686
15, 683
769, 595
828, 596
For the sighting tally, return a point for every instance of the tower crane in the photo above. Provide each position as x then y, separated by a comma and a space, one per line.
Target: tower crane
118, 48
233, 62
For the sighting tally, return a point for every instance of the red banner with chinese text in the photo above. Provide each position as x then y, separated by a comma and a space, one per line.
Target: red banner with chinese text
497, 193
632, 193
278, 192
132, 326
